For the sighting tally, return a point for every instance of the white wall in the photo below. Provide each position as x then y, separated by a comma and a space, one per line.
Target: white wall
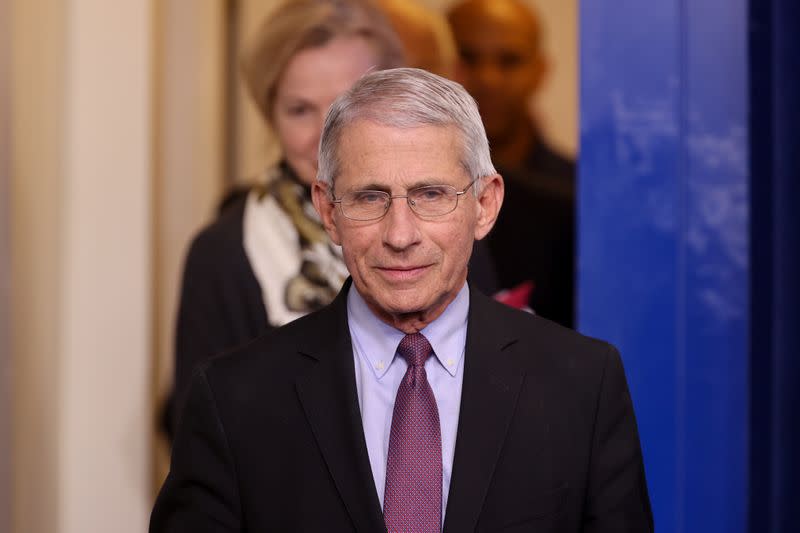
81, 264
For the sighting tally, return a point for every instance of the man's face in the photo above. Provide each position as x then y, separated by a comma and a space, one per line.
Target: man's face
501, 64
407, 268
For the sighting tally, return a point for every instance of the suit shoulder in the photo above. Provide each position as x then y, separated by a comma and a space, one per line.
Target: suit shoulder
275, 355
547, 339
249, 374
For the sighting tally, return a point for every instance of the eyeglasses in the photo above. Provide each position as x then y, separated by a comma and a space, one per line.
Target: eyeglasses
426, 201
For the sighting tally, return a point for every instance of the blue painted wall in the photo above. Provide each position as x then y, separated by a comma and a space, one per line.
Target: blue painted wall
664, 249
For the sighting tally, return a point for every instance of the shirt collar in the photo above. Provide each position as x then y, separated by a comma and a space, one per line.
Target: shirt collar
377, 341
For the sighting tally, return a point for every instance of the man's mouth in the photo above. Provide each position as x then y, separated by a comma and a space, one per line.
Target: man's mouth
403, 272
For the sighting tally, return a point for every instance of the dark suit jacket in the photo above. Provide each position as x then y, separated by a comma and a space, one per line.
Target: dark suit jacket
271, 436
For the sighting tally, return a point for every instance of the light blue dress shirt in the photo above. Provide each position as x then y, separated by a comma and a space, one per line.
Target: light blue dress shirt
379, 371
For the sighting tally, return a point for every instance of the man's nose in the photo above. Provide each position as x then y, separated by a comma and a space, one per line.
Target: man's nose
401, 225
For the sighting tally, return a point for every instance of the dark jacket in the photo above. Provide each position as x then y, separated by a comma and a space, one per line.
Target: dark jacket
272, 440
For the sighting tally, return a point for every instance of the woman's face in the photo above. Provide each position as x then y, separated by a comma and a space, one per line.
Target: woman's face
313, 79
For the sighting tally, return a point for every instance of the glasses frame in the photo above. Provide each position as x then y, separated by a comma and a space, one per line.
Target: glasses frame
408, 201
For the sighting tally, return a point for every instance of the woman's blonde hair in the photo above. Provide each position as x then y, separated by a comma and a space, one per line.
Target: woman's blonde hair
296, 25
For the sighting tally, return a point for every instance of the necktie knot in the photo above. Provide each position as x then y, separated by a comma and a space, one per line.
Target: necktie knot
415, 349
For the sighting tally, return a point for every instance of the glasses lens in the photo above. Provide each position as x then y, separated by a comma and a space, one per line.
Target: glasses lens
364, 205
433, 200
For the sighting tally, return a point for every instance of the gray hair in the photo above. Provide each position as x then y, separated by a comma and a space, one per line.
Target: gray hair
407, 98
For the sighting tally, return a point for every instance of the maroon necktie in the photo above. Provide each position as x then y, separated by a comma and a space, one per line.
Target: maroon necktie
412, 501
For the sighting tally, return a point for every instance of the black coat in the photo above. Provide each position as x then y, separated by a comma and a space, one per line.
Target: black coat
272, 440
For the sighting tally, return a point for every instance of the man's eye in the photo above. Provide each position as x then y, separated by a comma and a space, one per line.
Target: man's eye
368, 197
430, 194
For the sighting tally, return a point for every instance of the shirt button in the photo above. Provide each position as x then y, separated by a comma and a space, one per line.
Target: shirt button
450, 362
380, 365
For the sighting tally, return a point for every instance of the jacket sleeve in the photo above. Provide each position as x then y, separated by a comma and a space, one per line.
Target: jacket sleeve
617, 499
200, 493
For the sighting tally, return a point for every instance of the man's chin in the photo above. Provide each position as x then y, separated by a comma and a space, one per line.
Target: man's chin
402, 306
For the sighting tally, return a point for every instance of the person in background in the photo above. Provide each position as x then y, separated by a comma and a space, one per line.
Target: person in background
502, 65
266, 259
425, 34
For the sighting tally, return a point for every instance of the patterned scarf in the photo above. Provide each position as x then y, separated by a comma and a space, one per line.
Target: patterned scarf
322, 271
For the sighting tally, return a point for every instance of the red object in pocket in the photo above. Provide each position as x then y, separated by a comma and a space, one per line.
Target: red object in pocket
517, 297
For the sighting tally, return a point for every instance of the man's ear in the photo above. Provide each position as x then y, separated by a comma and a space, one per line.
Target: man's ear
489, 199
326, 209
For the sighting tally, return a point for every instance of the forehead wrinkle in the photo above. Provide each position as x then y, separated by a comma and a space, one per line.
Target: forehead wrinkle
374, 156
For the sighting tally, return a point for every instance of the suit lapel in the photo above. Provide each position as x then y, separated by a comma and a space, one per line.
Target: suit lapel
488, 398
329, 398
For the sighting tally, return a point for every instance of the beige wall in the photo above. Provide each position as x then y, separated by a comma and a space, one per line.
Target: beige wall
189, 159
36, 191
81, 263
5, 266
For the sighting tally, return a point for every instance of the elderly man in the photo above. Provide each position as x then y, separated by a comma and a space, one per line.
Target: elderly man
412, 403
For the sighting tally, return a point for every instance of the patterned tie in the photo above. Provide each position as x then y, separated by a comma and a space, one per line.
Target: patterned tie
412, 502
